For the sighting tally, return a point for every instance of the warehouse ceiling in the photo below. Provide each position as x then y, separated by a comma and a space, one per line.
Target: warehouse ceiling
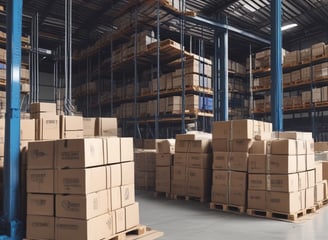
92, 19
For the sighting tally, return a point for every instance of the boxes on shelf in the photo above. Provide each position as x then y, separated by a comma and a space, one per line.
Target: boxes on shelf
318, 50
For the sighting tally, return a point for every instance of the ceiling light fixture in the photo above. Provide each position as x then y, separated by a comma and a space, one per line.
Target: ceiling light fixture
289, 26
250, 8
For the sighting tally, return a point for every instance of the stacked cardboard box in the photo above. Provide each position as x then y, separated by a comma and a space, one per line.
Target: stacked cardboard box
191, 175
164, 160
63, 198
232, 143
71, 127
321, 157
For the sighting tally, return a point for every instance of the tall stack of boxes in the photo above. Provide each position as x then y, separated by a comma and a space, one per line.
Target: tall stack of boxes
191, 174
71, 127
81, 187
232, 143
164, 160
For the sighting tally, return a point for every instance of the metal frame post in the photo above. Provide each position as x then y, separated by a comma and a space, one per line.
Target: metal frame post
224, 78
276, 66
183, 83
216, 96
10, 225
158, 72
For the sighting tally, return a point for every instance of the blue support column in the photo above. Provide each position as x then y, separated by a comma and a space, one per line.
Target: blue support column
276, 66
224, 78
216, 82
10, 226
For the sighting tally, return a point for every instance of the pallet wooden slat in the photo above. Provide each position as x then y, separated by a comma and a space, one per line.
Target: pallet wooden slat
227, 207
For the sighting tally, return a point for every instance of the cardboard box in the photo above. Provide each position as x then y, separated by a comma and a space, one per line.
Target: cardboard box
311, 178
246, 129
114, 194
309, 197
325, 170
47, 128
257, 163
71, 123
179, 187
27, 129
221, 130
221, 160
256, 200
237, 196
258, 147
114, 175
238, 180
182, 146
80, 181
127, 149
40, 181
127, 195
112, 150
40, 155
163, 179
241, 145
282, 164
79, 153
318, 172
82, 206
220, 178
284, 202
40, 204
164, 159
283, 183
40, 227
320, 146
101, 227
120, 220
320, 192
221, 145
180, 159
43, 107
132, 216
127, 173
151, 143
288, 147
238, 161
199, 160
179, 173
302, 180
106, 127
220, 194
257, 182
310, 161
72, 134
200, 146
166, 146
89, 127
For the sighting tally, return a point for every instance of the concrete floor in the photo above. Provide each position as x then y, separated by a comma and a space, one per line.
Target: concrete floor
188, 220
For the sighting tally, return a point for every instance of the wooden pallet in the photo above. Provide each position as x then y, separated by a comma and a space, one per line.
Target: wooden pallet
281, 216
227, 207
321, 204
138, 230
162, 194
188, 198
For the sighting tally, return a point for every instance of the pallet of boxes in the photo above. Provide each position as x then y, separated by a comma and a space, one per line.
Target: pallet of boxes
164, 160
321, 160
191, 174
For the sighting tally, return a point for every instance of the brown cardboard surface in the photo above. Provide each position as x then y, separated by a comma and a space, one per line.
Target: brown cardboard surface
163, 179
199, 160
311, 178
40, 204
112, 150
221, 145
246, 129
132, 215
238, 180
288, 146
257, 182
47, 128
238, 161
79, 153
220, 194
310, 161
180, 159
164, 159
80, 181
166, 146
309, 197
283, 183
27, 129
72, 134
106, 127
284, 202
319, 192
151, 143
237, 196
41, 155
318, 172
221, 160
179, 173
43, 107
220, 178
258, 147
127, 173
127, 149
301, 163
320, 146
282, 164
241, 145
256, 200
325, 170
221, 130
114, 175
40, 181
127, 195
40, 227
115, 198
200, 146
257, 163
100, 227
120, 220
71, 123
89, 127
182, 146
179, 187
302, 180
